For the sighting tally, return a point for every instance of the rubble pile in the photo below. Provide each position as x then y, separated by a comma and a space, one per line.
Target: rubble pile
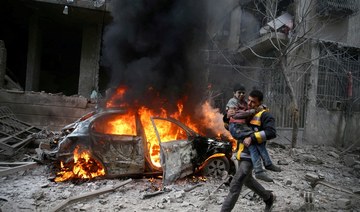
313, 178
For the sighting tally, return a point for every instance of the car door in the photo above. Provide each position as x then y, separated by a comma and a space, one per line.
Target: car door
176, 151
118, 144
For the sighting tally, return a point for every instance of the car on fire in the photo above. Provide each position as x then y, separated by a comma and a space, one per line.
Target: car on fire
132, 150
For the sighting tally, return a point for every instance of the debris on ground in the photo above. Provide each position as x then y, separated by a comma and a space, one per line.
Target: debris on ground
313, 178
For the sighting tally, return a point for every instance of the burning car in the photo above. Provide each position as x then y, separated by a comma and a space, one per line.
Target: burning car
115, 142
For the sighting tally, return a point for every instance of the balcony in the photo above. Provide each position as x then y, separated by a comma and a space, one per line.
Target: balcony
337, 7
262, 44
273, 33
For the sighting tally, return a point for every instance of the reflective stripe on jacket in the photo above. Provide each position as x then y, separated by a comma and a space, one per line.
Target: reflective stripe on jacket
256, 121
263, 124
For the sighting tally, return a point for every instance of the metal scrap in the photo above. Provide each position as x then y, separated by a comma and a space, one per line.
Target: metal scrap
316, 180
14, 134
89, 195
12, 167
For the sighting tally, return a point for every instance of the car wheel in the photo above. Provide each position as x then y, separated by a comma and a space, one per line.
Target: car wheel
216, 167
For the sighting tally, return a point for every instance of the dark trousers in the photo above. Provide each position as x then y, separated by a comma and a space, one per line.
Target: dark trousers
242, 177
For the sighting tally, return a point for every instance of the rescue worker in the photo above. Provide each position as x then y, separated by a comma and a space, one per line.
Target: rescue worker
238, 111
263, 125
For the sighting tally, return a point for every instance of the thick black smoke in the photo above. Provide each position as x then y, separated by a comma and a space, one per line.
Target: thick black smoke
153, 47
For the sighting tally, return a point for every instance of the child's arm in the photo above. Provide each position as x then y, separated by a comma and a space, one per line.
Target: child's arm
242, 114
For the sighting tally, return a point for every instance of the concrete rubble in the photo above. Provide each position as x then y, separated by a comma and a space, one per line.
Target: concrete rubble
33, 189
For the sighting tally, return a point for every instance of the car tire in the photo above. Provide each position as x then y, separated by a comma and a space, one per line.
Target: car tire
216, 167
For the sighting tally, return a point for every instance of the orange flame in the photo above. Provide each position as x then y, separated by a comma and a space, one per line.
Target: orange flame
84, 167
117, 124
125, 124
213, 119
167, 132
118, 95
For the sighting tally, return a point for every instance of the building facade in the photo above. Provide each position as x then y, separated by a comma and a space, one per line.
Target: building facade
311, 45
308, 48
53, 46
50, 54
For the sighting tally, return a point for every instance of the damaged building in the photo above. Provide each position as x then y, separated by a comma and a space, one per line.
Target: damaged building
51, 71
57, 64
62, 81
308, 48
50, 59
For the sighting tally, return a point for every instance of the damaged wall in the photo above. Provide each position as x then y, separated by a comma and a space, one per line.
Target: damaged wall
44, 110
321, 126
354, 28
329, 127
51, 50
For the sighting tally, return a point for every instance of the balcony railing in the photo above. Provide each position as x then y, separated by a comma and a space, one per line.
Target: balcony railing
337, 7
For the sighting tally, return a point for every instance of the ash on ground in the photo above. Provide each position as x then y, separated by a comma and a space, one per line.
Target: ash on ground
34, 190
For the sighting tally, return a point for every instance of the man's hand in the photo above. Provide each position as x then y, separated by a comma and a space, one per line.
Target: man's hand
260, 108
247, 141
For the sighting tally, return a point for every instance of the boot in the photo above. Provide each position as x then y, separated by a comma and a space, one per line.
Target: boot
273, 168
263, 176
269, 203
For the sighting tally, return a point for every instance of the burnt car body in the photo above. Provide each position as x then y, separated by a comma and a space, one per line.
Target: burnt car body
128, 154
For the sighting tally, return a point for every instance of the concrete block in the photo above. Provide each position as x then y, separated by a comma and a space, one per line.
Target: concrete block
295, 151
356, 190
349, 160
343, 203
309, 158
333, 154
288, 182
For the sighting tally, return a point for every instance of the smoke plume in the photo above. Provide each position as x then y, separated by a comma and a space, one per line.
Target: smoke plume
153, 47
